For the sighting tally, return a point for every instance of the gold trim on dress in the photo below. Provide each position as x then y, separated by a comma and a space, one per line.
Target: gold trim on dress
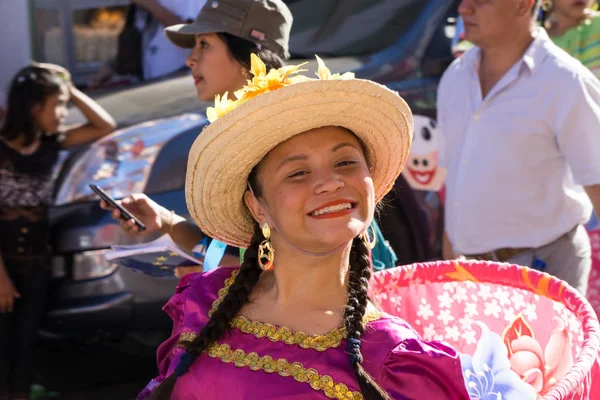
281, 333
284, 368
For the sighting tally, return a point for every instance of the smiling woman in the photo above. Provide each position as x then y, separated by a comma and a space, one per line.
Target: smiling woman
293, 172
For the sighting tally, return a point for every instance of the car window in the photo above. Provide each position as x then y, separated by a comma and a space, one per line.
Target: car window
337, 28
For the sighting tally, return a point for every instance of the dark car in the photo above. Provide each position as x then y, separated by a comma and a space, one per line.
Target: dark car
404, 44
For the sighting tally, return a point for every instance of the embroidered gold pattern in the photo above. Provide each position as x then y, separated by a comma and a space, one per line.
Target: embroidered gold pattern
223, 291
284, 368
186, 337
288, 336
280, 333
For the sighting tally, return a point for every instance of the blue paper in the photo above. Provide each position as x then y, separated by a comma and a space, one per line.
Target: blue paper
160, 264
158, 258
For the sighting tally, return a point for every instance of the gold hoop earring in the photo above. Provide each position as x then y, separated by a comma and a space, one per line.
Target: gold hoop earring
370, 244
266, 252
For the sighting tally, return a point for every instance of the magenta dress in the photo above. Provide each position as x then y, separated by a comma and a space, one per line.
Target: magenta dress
262, 361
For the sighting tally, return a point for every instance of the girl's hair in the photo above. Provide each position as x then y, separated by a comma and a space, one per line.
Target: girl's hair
30, 87
241, 49
237, 296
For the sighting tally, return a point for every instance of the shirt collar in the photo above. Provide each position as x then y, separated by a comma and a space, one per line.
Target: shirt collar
532, 58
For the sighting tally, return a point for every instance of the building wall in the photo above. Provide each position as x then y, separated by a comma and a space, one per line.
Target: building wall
15, 45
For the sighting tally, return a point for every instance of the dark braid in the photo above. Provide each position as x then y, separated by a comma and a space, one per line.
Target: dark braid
360, 275
219, 322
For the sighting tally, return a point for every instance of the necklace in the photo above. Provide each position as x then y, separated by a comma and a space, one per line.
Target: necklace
27, 150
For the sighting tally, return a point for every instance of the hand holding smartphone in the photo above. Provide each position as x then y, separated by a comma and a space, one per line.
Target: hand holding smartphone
125, 214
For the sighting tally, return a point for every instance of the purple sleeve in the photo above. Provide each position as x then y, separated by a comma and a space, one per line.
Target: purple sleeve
168, 351
422, 370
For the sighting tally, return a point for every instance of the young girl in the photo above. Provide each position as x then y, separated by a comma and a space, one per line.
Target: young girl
574, 26
30, 141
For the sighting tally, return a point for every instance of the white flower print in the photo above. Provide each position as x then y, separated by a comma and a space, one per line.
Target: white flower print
518, 300
492, 308
509, 314
466, 322
452, 333
424, 311
461, 294
445, 300
445, 317
449, 287
429, 332
469, 337
502, 296
471, 309
529, 312
485, 292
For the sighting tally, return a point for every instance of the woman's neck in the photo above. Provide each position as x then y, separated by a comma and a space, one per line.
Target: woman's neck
19, 144
304, 282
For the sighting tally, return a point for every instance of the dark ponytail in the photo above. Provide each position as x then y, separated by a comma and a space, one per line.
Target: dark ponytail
219, 322
241, 49
360, 275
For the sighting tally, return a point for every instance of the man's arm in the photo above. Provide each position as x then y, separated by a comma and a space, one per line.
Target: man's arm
593, 191
162, 14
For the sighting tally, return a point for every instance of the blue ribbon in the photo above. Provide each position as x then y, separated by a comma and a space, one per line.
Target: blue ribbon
214, 254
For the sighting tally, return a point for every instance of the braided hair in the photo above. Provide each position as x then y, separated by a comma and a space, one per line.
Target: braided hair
237, 296
219, 322
360, 276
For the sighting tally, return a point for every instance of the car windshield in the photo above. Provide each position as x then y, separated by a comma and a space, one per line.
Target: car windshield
348, 28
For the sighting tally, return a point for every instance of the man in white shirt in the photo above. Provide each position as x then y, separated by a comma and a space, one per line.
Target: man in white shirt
520, 120
159, 56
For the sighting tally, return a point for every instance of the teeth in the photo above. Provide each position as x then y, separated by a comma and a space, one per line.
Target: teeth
332, 209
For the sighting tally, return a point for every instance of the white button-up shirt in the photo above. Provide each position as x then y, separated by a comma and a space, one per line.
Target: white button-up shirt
518, 158
161, 57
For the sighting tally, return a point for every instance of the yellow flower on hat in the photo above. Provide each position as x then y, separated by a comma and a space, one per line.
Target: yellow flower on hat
264, 82
325, 74
222, 107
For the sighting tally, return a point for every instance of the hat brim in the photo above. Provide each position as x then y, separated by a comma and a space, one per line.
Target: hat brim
184, 35
226, 151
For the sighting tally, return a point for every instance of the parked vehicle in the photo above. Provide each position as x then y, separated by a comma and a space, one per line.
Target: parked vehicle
404, 44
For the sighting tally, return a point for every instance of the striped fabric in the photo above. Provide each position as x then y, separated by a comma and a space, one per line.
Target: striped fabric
583, 43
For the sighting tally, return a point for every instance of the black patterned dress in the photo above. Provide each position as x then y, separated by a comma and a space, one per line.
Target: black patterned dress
26, 191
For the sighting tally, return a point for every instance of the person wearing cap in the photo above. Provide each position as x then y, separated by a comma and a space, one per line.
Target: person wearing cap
223, 36
293, 170
220, 41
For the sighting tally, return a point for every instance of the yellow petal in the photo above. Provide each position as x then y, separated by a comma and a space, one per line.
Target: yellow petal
347, 75
211, 114
322, 72
257, 66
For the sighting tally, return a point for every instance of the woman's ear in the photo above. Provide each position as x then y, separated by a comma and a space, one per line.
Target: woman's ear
255, 207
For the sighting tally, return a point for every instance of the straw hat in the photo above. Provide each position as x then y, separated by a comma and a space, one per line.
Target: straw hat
274, 107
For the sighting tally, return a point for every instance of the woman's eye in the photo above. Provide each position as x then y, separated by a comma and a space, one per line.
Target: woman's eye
203, 44
346, 163
297, 174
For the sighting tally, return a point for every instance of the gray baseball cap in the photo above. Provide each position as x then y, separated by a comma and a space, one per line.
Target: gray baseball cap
264, 22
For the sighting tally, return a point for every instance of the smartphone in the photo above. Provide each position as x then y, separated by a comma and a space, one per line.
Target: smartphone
126, 215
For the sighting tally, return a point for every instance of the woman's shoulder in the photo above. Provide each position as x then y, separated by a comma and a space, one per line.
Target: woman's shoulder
408, 366
197, 295
391, 337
